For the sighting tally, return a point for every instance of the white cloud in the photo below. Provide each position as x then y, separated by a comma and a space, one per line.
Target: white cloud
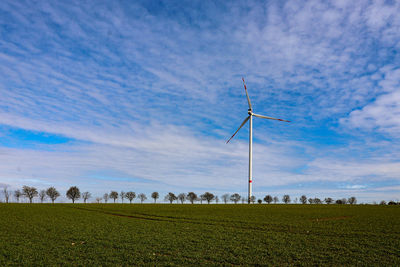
383, 114
165, 154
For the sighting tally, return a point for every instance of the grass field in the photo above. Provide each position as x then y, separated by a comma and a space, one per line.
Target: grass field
123, 234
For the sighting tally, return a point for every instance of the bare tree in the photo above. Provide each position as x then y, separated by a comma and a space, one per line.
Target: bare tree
182, 197
317, 201
243, 198
17, 194
155, 196
216, 199
131, 196
201, 198
170, 197
352, 200
328, 200
29, 192
6, 194
114, 195
235, 198
86, 196
268, 199
225, 198
142, 197
52, 193
253, 199
276, 199
303, 199
73, 193
106, 196
42, 195
341, 201
192, 197
98, 199
207, 196
383, 202
311, 200
286, 199
122, 195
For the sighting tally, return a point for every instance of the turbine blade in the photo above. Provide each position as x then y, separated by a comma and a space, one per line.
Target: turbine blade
241, 125
270, 118
247, 95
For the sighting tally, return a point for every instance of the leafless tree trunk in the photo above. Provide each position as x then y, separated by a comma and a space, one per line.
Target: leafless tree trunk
17, 194
86, 196
42, 195
6, 194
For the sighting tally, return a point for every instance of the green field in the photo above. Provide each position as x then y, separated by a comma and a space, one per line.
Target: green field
123, 234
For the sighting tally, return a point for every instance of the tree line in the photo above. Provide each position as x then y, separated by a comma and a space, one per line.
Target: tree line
74, 194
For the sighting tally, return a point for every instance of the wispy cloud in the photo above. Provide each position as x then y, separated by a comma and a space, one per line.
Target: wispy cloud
382, 114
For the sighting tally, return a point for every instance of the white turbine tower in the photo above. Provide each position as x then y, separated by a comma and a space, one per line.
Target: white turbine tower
250, 117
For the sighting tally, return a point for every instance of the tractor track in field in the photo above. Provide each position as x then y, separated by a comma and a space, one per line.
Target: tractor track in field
172, 219
331, 218
157, 218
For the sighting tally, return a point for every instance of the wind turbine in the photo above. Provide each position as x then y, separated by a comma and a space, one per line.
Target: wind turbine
250, 117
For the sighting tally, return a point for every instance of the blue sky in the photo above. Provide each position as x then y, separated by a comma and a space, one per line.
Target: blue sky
142, 95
